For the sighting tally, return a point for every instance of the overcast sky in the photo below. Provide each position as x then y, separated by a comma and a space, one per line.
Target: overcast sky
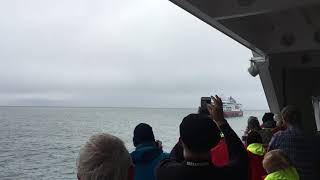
119, 53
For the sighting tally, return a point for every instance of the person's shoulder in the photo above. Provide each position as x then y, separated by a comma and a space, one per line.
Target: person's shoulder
162, 156
280, 136
167, 169
165, 154
169, 163
264, 131
281, 133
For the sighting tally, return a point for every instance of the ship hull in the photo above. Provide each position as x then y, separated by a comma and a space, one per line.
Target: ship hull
233, 114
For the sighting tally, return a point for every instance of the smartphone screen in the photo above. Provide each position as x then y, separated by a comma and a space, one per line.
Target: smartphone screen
205, 101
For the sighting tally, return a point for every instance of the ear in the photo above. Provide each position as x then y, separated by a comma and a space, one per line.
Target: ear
134, 141
181, 142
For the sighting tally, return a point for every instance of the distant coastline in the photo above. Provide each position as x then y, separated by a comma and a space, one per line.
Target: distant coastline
110, 107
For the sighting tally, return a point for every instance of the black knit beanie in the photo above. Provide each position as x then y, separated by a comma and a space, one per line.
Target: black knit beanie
267, 117
142, 134
199, 133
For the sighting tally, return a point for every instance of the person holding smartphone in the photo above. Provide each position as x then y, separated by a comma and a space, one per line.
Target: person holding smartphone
191, 159
148, 152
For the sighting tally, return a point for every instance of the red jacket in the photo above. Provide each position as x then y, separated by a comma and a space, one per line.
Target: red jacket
255, 154
219, 154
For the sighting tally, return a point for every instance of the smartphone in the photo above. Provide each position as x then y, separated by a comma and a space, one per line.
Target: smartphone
204, 105
205, 101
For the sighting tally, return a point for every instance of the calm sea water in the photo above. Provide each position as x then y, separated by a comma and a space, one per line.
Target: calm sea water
43, 143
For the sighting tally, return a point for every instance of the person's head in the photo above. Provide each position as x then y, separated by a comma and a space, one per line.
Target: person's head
291, 116
104, 157
275, 160
267, 117
268, 121
198, 134
253, 137
143, 134
253, 123
278, 118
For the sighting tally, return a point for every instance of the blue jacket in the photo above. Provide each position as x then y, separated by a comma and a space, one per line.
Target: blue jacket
145, 158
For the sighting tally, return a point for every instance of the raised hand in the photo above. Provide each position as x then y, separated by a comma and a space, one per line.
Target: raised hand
216, 110
159, 144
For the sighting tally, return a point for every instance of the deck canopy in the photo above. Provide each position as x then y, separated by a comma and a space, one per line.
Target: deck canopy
286, 33
265, 26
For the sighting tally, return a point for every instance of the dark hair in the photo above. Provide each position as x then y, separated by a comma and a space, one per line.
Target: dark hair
254, 137
268, 121
292, 115
253, 124
199, 133
267, 117
142, 134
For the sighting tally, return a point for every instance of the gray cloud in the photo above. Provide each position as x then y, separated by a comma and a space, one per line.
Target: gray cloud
117, 53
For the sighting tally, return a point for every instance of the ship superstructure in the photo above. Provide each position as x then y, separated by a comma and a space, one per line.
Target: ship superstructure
231, 108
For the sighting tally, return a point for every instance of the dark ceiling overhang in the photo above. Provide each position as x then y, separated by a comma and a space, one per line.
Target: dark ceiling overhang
264, 26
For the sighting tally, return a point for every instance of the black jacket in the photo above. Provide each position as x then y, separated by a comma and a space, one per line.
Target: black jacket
175, 168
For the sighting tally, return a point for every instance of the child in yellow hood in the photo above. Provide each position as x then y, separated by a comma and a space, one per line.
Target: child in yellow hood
278, 166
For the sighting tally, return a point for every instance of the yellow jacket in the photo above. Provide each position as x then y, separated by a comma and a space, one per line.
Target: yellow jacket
284, 174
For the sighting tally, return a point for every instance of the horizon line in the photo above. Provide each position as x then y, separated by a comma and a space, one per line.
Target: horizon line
117, 107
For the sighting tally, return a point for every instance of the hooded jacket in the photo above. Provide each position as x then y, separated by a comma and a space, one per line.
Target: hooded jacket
284, 174
256, 152
145, 158
177, 168
219, 154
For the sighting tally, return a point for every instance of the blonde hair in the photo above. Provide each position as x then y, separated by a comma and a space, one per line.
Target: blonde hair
276, 160
104, 157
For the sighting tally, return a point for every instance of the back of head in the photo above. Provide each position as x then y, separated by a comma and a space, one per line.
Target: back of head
142, 134
276, 160
199, 133
291, 115
267, 117
268, 121
104, 157
254, 137
253, 123
279, 119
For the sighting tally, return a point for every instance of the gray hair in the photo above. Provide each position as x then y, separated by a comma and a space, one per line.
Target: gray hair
292, 115
104, 157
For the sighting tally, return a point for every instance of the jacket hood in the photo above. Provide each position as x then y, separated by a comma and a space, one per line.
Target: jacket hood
257, 149
284, 174
145, 152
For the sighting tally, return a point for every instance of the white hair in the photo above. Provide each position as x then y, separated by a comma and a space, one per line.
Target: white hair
104, 157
